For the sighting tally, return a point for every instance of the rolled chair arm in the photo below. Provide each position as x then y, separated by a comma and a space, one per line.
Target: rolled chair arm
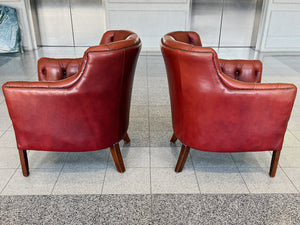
233, 84
254, 115
188, 37
116, 35
34, 85
57, 69
243, 70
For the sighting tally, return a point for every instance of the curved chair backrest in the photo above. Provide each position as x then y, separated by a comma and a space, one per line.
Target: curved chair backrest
86, 111
187, 37
213, 112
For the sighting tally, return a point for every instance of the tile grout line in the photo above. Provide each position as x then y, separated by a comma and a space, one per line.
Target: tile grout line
105, 172
195, 172
8, 181
59, 174
149, 130
149, 138
294, 137
238, 169
5, 131
290, 179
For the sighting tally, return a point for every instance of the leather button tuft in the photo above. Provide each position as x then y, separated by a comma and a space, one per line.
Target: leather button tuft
64, 73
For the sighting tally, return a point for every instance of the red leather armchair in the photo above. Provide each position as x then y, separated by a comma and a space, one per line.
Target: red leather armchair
78, 104
219, 105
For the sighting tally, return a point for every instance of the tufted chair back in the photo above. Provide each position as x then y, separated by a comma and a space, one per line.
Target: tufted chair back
68, 67
243, 70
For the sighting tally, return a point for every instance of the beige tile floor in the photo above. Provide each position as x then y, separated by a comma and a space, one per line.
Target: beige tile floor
150, 158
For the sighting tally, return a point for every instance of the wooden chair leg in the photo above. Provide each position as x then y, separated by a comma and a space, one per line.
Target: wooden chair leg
126, 138
173, 138
24, 162
117, 156
182, 158
274, 163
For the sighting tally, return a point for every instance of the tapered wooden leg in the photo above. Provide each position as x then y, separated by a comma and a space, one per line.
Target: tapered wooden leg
117, 156
274, 163
182, 158
24, 162
126, 138
173, 138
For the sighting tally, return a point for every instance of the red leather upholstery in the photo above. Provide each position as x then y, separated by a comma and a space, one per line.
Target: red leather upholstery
213, 112
243, 70
88, 110
57, 69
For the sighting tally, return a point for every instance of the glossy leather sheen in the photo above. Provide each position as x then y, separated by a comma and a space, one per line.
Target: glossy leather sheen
213, 112
243, 70
86, 111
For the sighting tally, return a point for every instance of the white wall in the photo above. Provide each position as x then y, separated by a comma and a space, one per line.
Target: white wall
150, 19
280, 26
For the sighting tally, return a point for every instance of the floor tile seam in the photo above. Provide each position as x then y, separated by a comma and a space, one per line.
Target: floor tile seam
161, 117
164, 167
139, 117
148, 106
165, 117
240, 173
160, 104
199, 188
13, 174
269, 178
59, 174
159, 89
158, 74
160, 193
231, 167
137, 167
255, 167
5, 131
295, 137
133, 130
290, 180
136, 117
7, 146
163, 129
289, 167
294, 130
139, 146
10, 168
104, 177
138, 104
279, 163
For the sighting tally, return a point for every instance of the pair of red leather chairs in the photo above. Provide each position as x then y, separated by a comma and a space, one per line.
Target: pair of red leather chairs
83, 104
